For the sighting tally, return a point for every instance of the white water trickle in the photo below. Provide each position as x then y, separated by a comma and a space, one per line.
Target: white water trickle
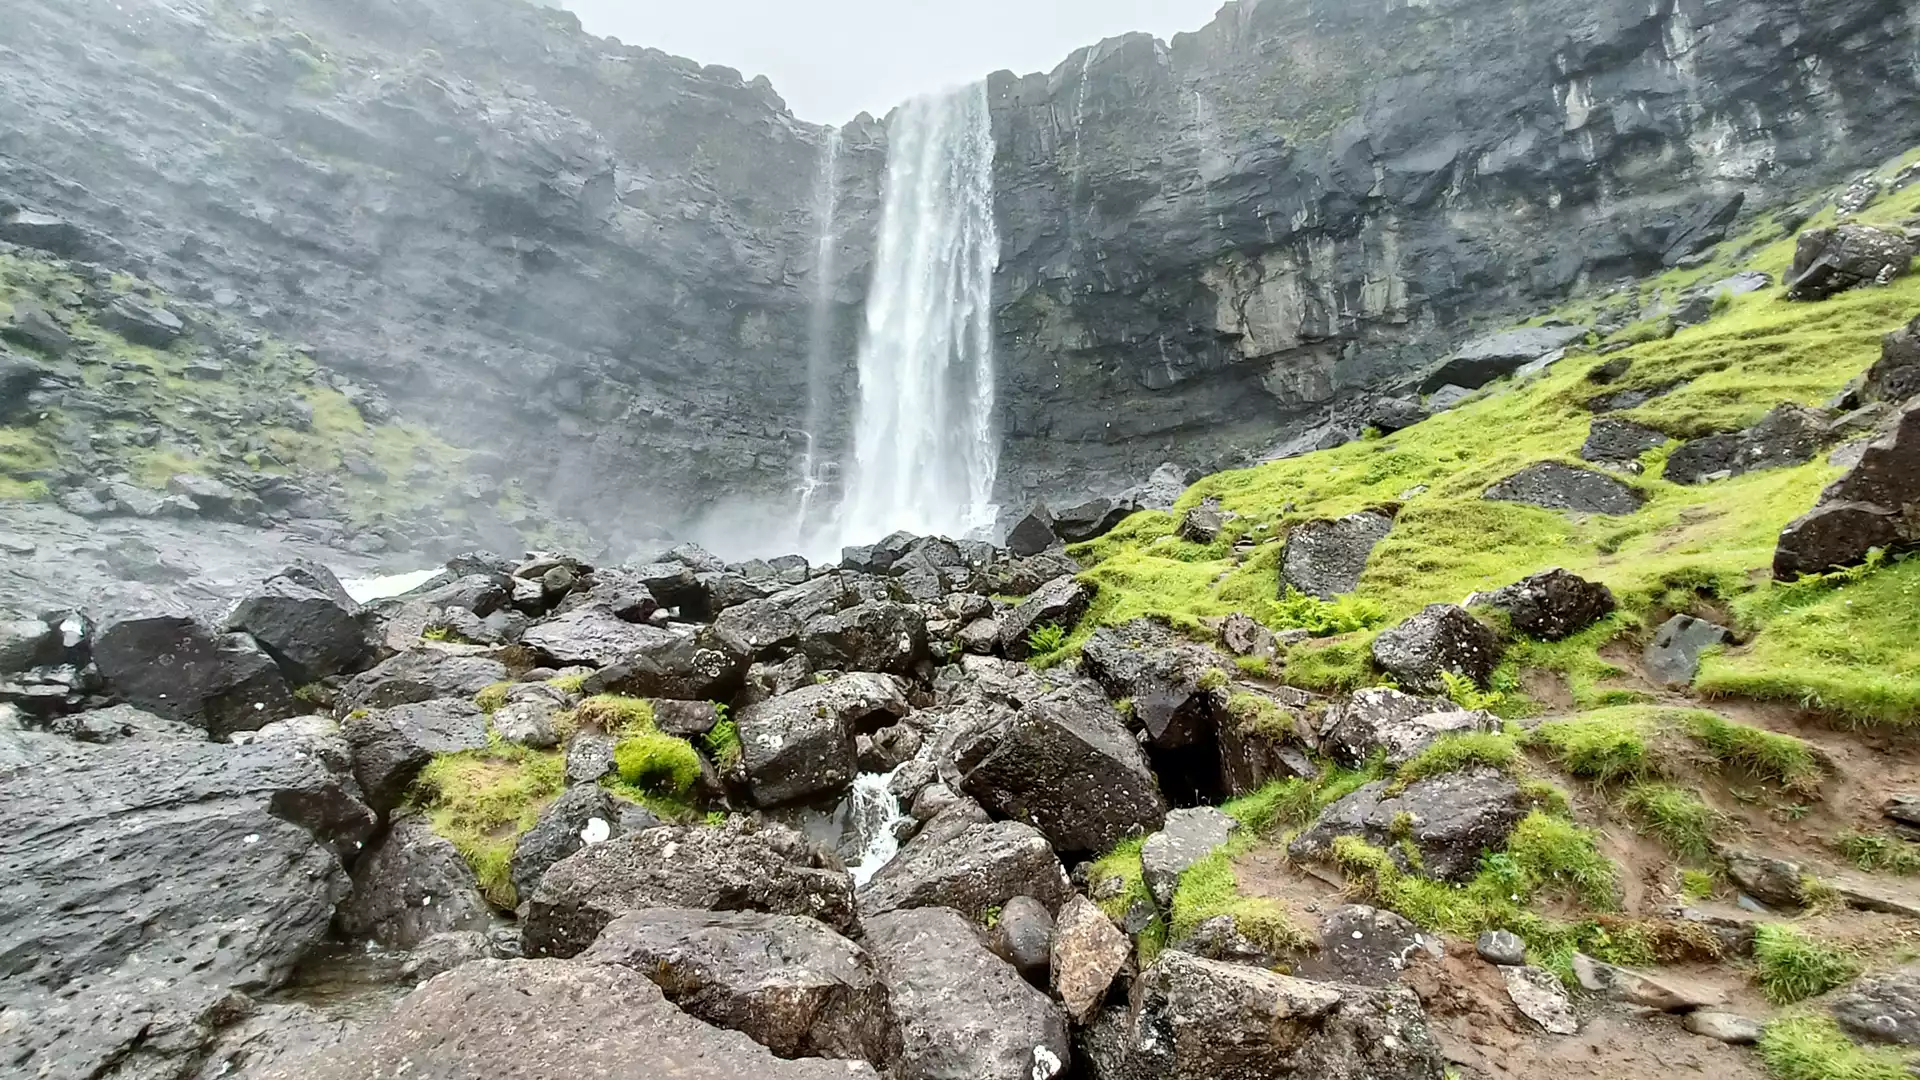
875, 815
816, 473
926, 451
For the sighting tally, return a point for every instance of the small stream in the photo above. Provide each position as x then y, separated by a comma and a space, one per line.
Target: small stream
863, 828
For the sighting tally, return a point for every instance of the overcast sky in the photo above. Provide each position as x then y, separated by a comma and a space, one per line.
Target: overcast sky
831, 59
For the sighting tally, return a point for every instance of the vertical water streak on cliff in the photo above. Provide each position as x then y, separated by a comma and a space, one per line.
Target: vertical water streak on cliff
817, 472
926, 448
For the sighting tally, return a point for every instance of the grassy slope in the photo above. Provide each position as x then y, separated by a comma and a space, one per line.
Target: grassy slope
1687, 545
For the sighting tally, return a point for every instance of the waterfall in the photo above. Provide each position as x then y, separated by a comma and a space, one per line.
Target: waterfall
925, 447
817, 473
874, 815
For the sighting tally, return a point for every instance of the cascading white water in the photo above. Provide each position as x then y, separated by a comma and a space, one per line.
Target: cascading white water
817, 473
926, 451
876, 816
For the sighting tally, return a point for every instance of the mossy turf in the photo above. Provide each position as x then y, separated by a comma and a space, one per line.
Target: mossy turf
482, 800
1852, 650
1810, 1046
1631, 743
1790, 965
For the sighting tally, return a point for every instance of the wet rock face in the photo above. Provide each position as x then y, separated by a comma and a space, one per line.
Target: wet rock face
410, 887
182, 669
972, 868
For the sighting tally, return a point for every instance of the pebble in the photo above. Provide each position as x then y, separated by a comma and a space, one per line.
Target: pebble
1726, 1027
1502, 947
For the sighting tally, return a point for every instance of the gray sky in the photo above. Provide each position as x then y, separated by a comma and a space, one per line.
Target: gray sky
831, 59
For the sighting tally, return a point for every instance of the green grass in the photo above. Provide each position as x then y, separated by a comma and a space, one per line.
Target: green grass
1812, 1047
1638, 742
1675, 816
1605, 747
1209, 889
493, 697
1791, 966
1879, 853
482, 801
1451, 753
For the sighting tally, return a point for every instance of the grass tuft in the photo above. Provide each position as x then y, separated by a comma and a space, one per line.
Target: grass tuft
1675, 816
1452, 753
1812, 1047
1877, 852
1791, 966
482, 800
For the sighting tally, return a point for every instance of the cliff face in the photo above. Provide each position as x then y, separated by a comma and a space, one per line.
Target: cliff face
1210, 246
596, 262
592, 261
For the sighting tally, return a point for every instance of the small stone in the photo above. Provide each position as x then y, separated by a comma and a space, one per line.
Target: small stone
1673, 657
1502, 947
1537, 993
1725, 1027
1665, 993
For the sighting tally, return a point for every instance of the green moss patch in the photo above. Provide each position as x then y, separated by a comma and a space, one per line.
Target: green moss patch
1812, 1047
482, 801
1789, 965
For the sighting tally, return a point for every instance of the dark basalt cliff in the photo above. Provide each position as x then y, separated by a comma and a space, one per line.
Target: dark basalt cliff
1208, 246
596, 262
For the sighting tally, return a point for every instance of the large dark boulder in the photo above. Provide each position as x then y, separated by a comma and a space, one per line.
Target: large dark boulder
1875, 505
1326, 558
1094, 518
1495, 356
960, 1012
1619, 442
1883, 1007
801, 745
1060, 602
19, 377
1087, 953
1673, 656
1143, 663
551, 1018
1788, 435
563, 828
1441, 638
391, 746
676, 585
1396, 725
418, 675
788, 982
1066, 765
179, 668
142, 323
973, 869
306, 622
730, 868
1895, 377
1187, 837
411, 886
772, 627
1196, 1019
593, 635
1551, 605
1554, 486
1033, 533
142, 882
1372, 947
1451, 820
1832, 260
877, 635
708, 664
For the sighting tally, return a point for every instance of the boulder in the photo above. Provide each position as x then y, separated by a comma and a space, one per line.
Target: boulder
1088, 953
1371, 947
1451, 820
1666, 993
709, 664
801, 744
771, 627
593, 636
564, 827
1198, 1019
1033, 533
27, 643
1092, 519
1873, 505
1021, 577
676, 584
1060, 602
142, 323
1619, 442
1242, 636
528, 716
442, 953
391, 746
1832, 260
1673, 656
1022, 935
1443, 637
214, 498
972, 869
1730, 1028
1202, 524
551, 1018
887, 749
1503, 948
1485, 359
1379, 719
1144, 663
32, 327
1326, 558
1788, 435
589, 757
685, 719
119, 723
787, 982
1554, 486
268, 1036
306, 622
181, 669
419, 675
481, 592
1395, 414
1883, 1007
728, 868
144, 882
1552, 605
1700, 304
873, 636
1187, 837
960, 1012
410, 886
1895, 377
1537, 993
1769, 880
1067, 765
